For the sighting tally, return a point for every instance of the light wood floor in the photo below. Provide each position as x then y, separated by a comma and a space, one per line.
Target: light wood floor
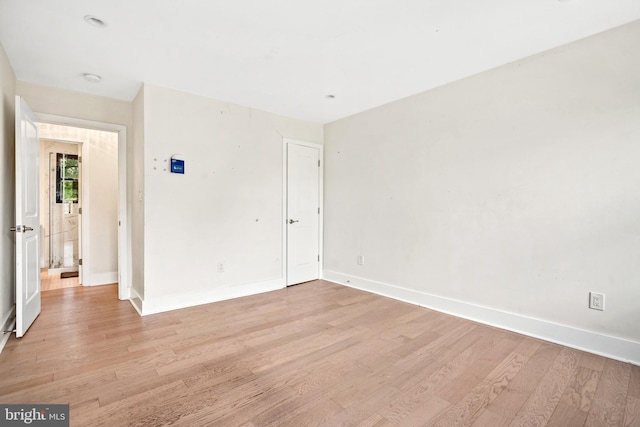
314, 354
50, 282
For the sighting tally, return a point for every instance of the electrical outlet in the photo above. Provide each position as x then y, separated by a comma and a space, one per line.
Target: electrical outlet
596, 301
360, 259
221, 268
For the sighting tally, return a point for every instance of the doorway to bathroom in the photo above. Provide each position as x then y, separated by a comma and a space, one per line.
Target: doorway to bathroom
79, 191
60, 209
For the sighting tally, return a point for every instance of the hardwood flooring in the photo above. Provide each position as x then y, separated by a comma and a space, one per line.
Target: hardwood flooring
316, 354
49, 282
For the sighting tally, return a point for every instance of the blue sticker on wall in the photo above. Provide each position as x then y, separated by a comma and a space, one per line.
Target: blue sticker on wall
177, 166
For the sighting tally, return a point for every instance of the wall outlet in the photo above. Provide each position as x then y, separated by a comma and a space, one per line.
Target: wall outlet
220, 268
360, 259
596, 301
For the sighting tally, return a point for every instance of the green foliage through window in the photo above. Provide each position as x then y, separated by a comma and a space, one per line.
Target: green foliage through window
67, 174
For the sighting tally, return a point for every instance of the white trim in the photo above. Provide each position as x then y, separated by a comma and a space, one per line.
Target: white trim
320, 148
123, 277
592, 342
8, 324
153, 305
99, 279
84, 218
124, 273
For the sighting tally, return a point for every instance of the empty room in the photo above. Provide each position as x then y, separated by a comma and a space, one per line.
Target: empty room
338, 213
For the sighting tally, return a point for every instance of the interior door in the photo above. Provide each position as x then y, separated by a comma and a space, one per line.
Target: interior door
303, 214
27, 218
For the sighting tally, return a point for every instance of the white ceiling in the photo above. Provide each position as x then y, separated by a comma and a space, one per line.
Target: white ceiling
286, 56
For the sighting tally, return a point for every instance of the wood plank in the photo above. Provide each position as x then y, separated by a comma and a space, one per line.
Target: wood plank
575, 404
411, 400
468, 410
508, 403
491, 419
14, 383
487, 360
634, 382
632, 412
538, 408
593, 362
374, 420
309, 411
326, 375
608, 408
363, 409
152, 407
430, 408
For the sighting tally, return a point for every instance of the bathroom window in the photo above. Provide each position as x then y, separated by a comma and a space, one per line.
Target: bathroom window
66, 178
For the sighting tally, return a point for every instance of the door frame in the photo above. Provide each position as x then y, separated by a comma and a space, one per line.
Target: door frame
285, 182
124, 209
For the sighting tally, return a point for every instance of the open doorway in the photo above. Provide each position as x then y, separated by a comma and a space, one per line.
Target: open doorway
60, 207
79, 206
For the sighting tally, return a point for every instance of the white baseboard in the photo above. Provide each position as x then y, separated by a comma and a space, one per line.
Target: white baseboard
99, 279
592, 342
159, 304
8, 324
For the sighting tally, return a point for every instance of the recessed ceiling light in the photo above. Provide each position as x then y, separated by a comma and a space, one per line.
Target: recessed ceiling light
93, 78
330, 96
95, 21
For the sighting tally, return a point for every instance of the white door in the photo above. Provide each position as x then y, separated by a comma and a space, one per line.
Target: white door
27, 219
303, 214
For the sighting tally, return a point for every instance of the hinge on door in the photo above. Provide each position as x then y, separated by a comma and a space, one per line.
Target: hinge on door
80, 261
318, 163
318, 211
79, 159
318, 258
79, 211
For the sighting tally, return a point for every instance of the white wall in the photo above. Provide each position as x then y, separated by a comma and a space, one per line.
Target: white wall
99, 183
226, 208
516, 190
66, 103
7, 184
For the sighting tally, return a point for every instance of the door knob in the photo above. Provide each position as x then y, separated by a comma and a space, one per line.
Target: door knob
21, 228
291, 221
